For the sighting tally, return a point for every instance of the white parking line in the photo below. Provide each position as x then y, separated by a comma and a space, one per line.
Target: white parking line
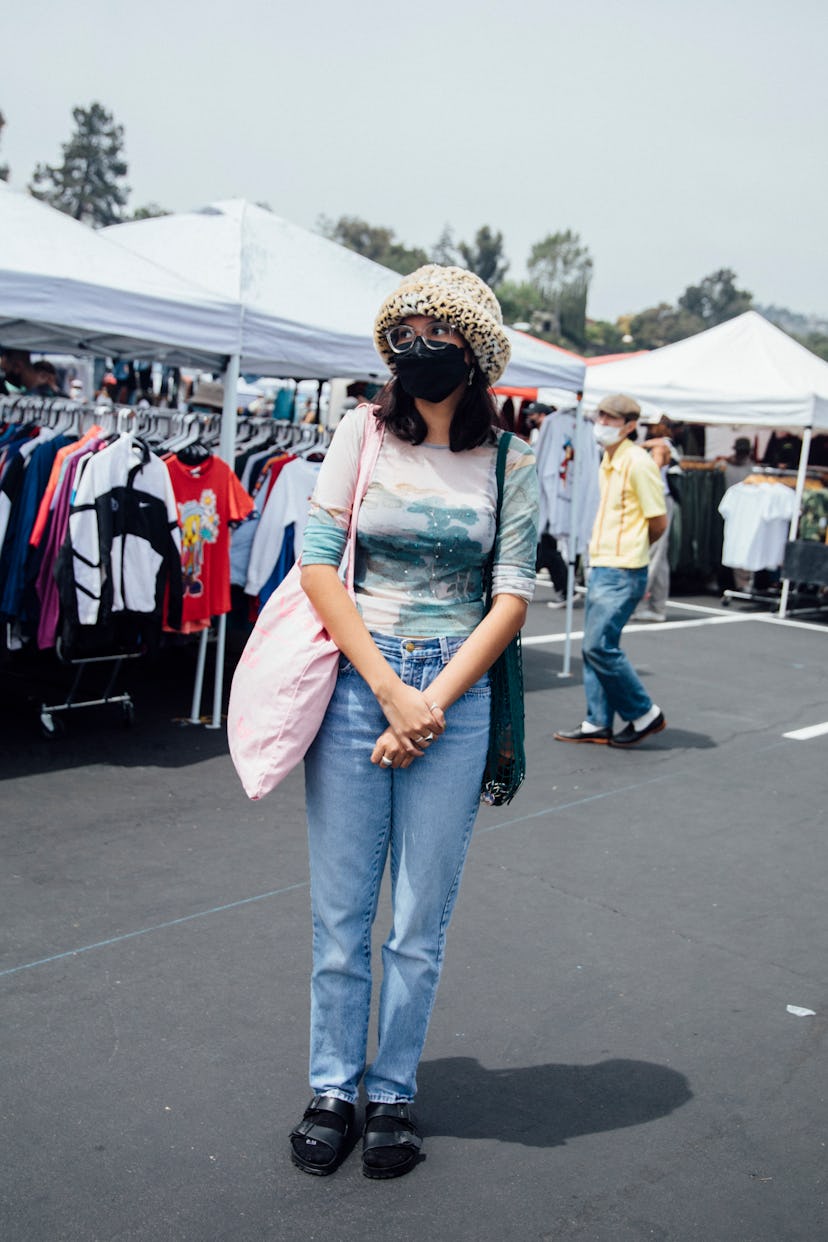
804, 735
538, 640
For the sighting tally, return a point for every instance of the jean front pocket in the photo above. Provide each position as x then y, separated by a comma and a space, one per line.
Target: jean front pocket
481, 688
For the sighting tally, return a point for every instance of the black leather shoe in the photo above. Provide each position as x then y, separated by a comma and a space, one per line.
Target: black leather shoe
599, 736
630, 736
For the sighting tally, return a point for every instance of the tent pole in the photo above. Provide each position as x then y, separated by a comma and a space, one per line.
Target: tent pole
804, 453
218, 681
227, 443
572, 541
195, 710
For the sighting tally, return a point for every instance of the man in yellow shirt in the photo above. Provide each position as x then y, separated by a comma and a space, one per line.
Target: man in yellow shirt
631, 516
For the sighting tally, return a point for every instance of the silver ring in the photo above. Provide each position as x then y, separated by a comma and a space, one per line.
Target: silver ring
434, 707
386, 762
427, 737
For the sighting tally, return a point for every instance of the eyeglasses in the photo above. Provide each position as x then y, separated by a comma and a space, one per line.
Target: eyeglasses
436, 336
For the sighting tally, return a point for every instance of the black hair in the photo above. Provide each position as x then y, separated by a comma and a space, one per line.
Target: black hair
473, 424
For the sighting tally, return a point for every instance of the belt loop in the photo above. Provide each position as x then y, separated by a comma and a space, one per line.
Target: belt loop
445, 649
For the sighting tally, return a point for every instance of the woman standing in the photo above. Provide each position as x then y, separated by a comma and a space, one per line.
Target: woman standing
397, 765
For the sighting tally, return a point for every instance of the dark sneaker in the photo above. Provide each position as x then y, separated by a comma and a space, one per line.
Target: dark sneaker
599, 736
630, 736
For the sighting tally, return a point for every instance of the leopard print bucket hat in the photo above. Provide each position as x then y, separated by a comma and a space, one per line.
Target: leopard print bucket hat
460, 298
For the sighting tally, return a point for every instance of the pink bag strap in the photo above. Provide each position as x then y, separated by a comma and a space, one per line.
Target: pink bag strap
372, 438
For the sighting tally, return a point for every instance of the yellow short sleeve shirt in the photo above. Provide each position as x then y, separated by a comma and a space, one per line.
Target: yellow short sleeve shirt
632, 492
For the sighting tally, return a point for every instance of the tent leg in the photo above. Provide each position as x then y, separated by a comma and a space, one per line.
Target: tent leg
195, 710
804, 453
218, 681
566, 671
227, 445
572, 542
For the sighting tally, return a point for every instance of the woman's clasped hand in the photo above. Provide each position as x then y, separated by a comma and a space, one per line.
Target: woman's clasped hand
419, 725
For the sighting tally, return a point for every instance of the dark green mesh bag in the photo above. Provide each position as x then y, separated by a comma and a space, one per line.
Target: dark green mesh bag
506, 760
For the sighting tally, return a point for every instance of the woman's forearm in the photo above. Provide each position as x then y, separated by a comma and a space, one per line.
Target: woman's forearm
407, 710
340, 616
480, 650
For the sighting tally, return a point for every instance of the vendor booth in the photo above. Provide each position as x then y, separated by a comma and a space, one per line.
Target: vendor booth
745, 372
65, 288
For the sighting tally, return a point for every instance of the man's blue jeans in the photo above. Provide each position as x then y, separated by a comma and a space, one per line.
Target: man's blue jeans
610, 681
358, 816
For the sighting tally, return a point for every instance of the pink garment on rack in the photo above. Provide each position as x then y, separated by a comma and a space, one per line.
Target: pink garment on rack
46, 583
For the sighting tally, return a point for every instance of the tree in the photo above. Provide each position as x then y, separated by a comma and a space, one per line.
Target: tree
716, 298
88, 184
485, 257
520, 301
603, 337
4, 168
374, 242
149, 212
662, 325
560, 268
444, 249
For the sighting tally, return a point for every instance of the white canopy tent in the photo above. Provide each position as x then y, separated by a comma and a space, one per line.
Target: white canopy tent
65, 288
308, 304
745, 371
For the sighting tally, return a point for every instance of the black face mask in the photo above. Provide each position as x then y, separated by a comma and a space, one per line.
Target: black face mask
429, 373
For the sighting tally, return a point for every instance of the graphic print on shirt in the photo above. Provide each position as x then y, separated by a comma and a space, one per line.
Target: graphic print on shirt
567, 458
199, 526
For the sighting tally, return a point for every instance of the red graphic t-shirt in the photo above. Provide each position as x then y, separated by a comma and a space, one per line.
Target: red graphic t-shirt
209, 497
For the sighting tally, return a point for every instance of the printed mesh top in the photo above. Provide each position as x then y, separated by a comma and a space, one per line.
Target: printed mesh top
425, 530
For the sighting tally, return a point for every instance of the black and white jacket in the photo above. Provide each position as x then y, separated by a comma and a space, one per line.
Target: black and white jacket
123, 547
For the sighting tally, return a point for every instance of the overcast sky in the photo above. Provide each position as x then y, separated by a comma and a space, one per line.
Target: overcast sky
675, 137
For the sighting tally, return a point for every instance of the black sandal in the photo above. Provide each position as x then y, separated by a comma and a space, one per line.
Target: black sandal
390, 1141
317, 1147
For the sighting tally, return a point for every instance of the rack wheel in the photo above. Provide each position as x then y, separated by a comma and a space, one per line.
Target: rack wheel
128, 714
51, 726
725, 603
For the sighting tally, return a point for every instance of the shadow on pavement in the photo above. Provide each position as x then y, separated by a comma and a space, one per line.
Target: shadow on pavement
156, 734
681, 739
544, 1105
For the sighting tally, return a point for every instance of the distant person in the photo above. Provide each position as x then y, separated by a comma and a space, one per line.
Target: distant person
631, 516
46, 376
19, 373
740, 464
663, 452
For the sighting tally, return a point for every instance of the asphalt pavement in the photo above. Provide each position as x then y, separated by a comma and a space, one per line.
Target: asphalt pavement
629, 1040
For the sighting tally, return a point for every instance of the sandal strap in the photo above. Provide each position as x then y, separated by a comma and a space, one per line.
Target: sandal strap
310, 1127
331, 1104
407, 1136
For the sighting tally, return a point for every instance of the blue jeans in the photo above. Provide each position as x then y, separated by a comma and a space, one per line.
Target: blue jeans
610, 681
358, 815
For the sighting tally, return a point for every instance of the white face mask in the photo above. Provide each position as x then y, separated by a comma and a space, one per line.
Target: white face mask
606, 435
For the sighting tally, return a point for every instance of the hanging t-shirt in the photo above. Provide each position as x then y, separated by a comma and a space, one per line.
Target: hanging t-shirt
757, 520
208, 497
288, 503
555, 452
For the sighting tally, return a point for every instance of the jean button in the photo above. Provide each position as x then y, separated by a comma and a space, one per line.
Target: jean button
410, 646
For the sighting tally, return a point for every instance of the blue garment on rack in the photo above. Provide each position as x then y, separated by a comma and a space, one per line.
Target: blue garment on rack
15, 553
282, 567
283, 405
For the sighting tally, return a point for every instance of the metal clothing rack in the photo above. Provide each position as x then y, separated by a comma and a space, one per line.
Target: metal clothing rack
789, 599
163, 429
52, 727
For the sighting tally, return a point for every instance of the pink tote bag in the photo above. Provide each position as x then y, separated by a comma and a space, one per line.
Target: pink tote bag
287, 672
